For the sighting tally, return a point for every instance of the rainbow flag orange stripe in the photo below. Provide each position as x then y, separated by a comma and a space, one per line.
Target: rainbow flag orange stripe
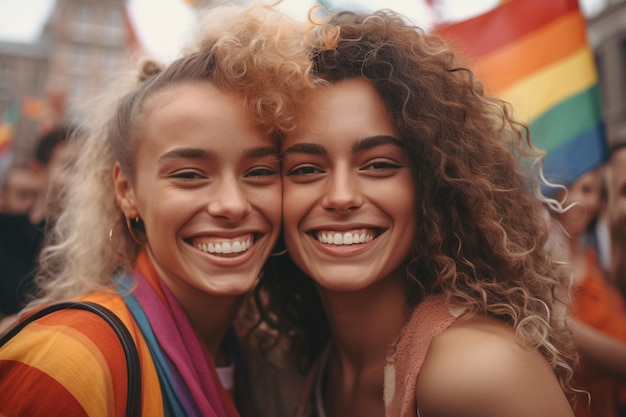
534, 54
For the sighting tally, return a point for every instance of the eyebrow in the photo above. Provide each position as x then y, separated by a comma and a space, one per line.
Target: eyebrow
196, 153
360, 145
308, 148
374, 141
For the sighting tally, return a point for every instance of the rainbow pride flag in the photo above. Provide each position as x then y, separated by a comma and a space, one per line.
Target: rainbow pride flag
8, 123
534, 54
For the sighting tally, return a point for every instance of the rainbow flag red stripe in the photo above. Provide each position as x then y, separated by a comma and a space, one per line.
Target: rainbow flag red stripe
534, 54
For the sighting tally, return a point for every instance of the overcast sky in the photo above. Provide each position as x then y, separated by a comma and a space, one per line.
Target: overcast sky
163, 24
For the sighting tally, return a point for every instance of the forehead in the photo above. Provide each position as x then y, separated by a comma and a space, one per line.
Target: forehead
199, 116
618, 164
345, 109
591, 178
19, 178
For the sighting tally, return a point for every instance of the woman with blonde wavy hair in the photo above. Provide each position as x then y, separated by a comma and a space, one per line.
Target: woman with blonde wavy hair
418, 270
174, 209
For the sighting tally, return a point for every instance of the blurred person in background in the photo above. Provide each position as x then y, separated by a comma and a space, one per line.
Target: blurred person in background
595, 302
18, 191
27, 212
617, 216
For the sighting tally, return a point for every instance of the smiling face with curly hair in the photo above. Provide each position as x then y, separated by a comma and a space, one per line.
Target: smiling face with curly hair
350, 215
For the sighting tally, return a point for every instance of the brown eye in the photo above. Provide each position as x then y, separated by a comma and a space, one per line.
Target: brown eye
261, 172
304, 170
187, 175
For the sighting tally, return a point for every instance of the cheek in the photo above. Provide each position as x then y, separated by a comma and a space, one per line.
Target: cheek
575, 218
164, 212
296, 201
164, 219
409, 216
269, 201
400, 198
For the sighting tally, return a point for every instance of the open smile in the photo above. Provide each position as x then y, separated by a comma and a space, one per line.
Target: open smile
341, 238
223, 246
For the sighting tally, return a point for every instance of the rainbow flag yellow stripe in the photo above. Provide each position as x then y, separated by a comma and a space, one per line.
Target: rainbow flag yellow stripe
534, 54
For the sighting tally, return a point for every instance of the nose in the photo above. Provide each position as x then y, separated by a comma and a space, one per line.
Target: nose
343, 193
228, 201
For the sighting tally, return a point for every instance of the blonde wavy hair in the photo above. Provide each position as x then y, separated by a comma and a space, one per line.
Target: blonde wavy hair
255, 51
482, 233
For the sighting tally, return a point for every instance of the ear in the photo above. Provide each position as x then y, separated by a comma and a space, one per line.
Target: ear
124, 193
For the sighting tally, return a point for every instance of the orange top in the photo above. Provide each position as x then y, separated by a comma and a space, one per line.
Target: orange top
599, 305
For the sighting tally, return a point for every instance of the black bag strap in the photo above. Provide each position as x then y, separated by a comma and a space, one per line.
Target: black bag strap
133, 404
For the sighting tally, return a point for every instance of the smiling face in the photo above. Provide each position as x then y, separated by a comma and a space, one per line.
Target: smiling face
207, 188
586, 194
349, 197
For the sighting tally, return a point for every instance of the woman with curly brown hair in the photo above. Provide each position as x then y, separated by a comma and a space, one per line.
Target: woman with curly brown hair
174, 210
417, 239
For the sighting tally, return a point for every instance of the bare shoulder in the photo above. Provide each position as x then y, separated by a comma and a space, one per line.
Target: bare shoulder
478, 367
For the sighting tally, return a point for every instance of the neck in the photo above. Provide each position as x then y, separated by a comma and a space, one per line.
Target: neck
575, 247
212, 318
364, 323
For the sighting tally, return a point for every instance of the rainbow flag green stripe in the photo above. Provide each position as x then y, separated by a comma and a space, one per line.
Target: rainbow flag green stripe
568, 119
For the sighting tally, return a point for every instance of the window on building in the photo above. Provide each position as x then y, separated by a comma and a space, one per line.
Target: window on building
111, 60
601, 78
77, 88
622, 70
114, 24
83, 21
6, 75
80, 57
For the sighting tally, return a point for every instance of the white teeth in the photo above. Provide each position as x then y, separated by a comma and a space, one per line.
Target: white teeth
225, 247
345, 238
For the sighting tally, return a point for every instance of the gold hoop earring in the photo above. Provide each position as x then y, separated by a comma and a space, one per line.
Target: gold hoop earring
277, 248
131, 229
279, 253
113, 247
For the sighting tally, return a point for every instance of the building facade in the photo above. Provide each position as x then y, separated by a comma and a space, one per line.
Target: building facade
83, 43
607, 36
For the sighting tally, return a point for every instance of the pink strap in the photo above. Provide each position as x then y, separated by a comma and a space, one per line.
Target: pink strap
407, 355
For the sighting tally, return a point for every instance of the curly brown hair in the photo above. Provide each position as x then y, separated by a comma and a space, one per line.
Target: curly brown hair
482, 230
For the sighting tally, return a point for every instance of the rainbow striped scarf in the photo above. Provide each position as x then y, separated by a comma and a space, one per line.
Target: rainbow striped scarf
187, 375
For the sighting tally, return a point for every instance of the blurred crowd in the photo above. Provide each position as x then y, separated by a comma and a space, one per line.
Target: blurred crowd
31, 196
